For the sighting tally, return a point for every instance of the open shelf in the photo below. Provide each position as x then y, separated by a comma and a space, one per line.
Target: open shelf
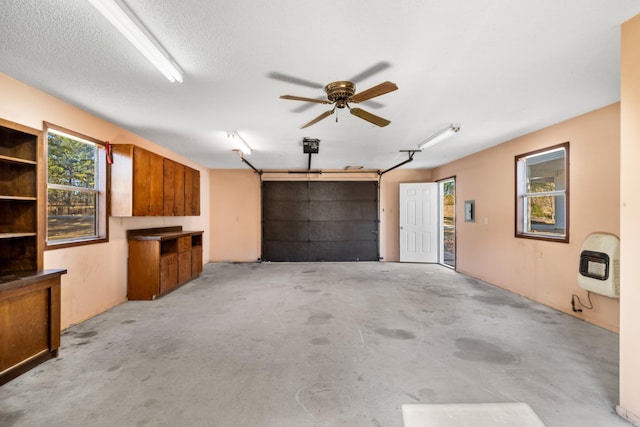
17, 160
16, 235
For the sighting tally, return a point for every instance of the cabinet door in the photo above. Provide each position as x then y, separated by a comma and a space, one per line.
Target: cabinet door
173, 183
184, 267
24, 327
168, 272
147, 183
196, 261
184, 243
191, 191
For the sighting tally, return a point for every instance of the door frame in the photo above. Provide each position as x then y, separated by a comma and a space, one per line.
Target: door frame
441, 224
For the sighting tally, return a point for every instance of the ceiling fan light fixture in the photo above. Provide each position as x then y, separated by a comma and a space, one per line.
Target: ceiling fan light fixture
440, 135
121, 17
240, 143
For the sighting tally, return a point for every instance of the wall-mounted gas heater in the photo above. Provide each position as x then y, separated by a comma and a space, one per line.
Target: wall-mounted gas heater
599, 268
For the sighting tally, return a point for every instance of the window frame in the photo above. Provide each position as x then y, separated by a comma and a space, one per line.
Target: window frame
520, 197
103, 202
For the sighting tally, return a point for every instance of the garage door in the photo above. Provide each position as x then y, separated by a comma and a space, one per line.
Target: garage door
320, 221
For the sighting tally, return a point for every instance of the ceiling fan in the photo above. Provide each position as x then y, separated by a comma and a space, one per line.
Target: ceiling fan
342, 93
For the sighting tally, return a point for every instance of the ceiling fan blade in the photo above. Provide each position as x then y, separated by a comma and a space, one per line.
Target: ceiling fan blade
371, 118
374, 69
302, 98
317, 119
377, 90
295, 80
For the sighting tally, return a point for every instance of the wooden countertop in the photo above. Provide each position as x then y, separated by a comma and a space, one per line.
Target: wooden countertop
164, 233
20, 279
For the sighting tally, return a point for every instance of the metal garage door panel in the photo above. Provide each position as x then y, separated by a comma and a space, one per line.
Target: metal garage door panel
285, 190
343, 251
287, 251
320, 221
285, 210
333, 190
327, 231
287, 231
343, 210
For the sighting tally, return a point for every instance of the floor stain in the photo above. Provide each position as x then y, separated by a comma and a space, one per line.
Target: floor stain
499, 301
9, 419
127, 322
398, 334
87, 334
477, 350
320, 341
319, 318
312, 291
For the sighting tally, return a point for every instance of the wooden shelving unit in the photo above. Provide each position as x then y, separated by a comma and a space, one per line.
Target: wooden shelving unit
29, 296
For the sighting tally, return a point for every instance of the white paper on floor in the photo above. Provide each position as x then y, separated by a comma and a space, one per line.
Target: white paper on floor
512, 414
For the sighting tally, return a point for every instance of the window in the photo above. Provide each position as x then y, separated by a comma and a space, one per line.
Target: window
76, 189
542, 194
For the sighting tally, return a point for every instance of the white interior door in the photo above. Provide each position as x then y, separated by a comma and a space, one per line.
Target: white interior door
419, 222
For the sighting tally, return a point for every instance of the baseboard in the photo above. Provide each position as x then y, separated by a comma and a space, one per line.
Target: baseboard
629, 416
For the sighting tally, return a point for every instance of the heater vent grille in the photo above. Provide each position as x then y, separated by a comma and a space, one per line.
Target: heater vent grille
599, 267
594, 265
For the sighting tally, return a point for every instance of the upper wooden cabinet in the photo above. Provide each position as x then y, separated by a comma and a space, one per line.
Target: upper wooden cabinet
173, 188
146, 184
191, 192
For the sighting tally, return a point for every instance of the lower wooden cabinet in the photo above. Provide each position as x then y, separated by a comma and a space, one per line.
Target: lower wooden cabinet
168, 272
184, 267
29, 321
161, 259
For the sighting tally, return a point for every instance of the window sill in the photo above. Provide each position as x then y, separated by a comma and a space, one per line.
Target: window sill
68, 244
544, 237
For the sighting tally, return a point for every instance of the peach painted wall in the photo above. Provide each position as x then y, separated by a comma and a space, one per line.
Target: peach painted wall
97, 274
235, 215
630, 224
540, 270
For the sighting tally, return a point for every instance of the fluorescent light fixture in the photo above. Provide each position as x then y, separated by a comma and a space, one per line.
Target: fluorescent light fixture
440, 135
121, 17
240, 143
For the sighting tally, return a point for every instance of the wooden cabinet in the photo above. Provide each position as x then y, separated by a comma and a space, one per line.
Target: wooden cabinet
146, 184
161, 259
29, 321
29, 296
173, 188
191, 192
136, 182
168, 272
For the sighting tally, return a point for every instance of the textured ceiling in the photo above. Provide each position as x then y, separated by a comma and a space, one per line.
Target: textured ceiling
501, 69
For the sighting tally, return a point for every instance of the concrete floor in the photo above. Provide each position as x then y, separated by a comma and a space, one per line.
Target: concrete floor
325, 344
